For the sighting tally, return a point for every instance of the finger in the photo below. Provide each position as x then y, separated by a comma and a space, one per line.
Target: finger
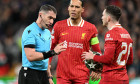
97, 77
61, 47
90, 51
83, 56
83, 60
62, 50
94, 76
61, 43
92, 73
84, 52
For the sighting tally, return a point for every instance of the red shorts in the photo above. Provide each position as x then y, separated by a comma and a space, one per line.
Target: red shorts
114, 82
75, 81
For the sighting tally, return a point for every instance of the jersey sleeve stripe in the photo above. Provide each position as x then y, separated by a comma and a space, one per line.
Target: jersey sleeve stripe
29, 46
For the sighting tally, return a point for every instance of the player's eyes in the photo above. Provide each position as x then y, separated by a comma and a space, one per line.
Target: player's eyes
71, 6
77, 6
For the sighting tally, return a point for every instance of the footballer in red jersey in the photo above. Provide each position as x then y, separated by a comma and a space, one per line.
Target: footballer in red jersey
78, 36
117, 49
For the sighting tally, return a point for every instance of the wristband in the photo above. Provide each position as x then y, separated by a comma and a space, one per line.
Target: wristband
49, 54
50, 77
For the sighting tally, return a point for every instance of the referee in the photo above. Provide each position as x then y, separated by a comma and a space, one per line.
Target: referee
36, 49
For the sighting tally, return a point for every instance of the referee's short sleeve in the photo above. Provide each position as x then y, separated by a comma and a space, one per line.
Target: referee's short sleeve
29, 39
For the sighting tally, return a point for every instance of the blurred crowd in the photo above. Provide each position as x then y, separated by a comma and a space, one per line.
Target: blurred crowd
15, 15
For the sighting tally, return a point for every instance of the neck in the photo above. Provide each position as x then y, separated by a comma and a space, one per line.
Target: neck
75, 22
38, 23
111, 25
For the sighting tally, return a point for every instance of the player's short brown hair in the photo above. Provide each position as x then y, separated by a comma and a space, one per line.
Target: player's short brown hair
47, 8
114, 11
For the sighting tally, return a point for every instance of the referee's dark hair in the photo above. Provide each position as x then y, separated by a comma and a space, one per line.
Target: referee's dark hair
47, 8
114, 11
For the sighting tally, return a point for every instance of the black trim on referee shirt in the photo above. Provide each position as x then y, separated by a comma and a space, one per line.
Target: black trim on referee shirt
29, 46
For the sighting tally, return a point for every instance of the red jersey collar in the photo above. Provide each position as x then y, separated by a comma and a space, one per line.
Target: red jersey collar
81, 23
116, 25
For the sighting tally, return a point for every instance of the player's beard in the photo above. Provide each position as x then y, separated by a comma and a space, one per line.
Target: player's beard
73, 18
105, 24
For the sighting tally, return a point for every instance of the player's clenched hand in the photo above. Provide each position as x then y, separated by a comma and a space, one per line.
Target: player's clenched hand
87, 55
59, 48
95, 76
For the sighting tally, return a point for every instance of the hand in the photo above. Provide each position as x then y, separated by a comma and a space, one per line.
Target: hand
95, 76
51, 81
59, 48
87, 55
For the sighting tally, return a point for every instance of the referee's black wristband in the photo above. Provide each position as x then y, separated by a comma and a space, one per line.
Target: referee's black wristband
49, 54
50, 77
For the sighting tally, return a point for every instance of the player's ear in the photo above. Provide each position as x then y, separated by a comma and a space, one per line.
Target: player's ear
68, 7
108, 18
39, 14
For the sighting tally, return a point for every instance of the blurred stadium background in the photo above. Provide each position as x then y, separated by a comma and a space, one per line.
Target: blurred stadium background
15, 15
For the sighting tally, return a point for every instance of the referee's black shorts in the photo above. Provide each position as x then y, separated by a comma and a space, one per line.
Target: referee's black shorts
31, 76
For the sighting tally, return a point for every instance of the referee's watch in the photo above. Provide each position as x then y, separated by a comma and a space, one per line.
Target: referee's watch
50, 77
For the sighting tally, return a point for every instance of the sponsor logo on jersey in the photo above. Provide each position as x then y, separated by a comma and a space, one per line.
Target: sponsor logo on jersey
76, 45
73, 45
125, 35
83, 35
108, 37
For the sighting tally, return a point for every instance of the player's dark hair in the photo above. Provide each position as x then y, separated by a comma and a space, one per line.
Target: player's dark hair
114, 11
47, 8
83, 2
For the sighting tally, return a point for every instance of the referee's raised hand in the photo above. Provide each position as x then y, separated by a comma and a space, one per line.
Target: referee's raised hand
59, 48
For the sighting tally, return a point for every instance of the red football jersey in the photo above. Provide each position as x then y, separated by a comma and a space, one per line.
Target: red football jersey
117, 53
77, 39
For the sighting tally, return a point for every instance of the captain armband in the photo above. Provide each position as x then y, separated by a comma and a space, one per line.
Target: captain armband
49, 54
94, 41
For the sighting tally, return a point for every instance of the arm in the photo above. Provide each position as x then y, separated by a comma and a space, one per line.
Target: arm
94, 42
32, 55
108, 53
96, 48
49, 74
55, 38
52, 47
